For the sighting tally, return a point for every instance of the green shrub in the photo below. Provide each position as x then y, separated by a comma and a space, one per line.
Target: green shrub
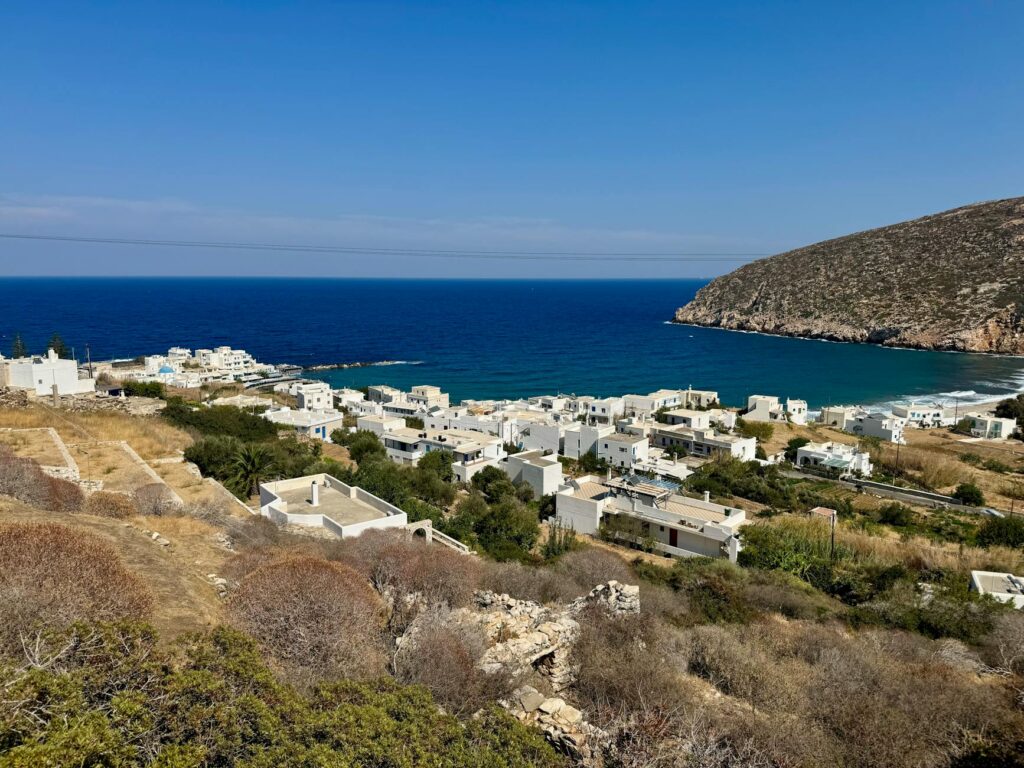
969, 494
134, 388
1001, 532
219, 420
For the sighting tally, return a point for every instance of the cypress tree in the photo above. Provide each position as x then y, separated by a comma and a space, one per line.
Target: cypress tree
18, 348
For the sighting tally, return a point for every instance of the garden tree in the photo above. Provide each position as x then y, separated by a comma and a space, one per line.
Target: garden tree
1012, 408
731, 477
52, 576
426, 484
560, 540
1001, 532
468, 512
253, 464
364, 445
57, 344
214, 455
116, 696
322, 620
591, 464
493, 484
18, 348
438, 463
676, 451
413, 422
761, 430
793, 446
509, 530
383, 478
969, 494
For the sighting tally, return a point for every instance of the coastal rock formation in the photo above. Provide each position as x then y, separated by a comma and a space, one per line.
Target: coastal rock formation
950, 281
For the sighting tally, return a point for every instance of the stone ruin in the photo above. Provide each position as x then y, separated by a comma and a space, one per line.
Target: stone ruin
526, 637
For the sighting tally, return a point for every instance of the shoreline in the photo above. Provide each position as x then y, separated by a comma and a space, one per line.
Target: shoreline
828, 340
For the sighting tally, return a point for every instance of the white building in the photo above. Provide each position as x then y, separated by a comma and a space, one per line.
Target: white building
428, 397
623, 450
837, 456
322, 501
471, 451
636, 510
991, 427
768, 408
543, 473
860, 421
924, 415
704, 442
379, 425
1004, 587
606, 410
688, 418
581, 439
646, 405
44, 375
226, 359
314, 396
346, 398
316, 425
382, 393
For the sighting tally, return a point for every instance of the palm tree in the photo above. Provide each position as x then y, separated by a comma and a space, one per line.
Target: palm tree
253, 463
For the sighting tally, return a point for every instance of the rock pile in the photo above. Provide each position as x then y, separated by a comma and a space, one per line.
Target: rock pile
614, 597
563, 724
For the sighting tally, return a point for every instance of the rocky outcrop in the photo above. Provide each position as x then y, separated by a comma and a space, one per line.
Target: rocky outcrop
951, 281
563, 724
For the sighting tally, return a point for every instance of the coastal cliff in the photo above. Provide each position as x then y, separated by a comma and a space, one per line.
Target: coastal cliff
950, 281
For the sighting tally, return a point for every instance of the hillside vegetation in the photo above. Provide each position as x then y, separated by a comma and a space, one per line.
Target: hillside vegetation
953, 281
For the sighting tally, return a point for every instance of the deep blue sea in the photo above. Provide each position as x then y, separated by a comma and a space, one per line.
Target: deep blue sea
482, 339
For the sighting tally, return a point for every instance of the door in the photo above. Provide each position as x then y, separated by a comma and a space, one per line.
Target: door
673, 537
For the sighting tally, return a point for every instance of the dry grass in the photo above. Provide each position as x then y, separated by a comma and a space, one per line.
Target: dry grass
37, 444
111, 465
150, 436
914, 551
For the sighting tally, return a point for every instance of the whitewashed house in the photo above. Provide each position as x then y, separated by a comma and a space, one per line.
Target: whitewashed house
582, 438
768, 408
688, 418
316, 425
636, 510
606, 410
704, 442
845, 459
623, 450
542, 472
428, 396
314, 396
322, 501
1004, 587
45, 375
379, 425
991, 427
924, 415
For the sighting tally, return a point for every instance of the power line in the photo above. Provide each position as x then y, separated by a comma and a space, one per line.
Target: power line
421, 252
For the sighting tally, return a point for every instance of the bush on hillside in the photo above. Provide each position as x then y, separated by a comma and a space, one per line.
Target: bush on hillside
320, 620
1001, 532
134, 388
24, 480
113, 696
219, 420
969, 494
107, 504
52, 576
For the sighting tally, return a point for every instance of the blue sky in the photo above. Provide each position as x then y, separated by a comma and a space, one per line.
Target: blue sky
623, 127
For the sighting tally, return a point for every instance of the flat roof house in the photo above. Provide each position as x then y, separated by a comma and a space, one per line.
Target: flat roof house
635, 510
704, 442
991, 427
1004, 587
623, 450
844, 459
322, 501
314, 396
379, 424
316, 425
428, 396
44, 375
768, 408
688, 418
542, 472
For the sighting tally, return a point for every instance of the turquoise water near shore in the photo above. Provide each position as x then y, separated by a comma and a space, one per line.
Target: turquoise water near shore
481, 339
